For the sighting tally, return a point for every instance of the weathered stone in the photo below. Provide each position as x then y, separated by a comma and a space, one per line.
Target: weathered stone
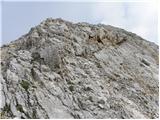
65, 70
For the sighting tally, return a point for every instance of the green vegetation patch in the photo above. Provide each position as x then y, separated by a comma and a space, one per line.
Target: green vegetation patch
34, 114
19, 108
71, 88
25, 84
6, 109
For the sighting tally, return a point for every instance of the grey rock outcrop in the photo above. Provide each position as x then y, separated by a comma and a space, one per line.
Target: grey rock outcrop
66, 70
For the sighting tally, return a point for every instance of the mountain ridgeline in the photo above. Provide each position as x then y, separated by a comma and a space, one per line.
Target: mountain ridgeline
62, 69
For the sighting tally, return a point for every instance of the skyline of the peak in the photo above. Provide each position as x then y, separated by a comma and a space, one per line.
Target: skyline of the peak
18, 17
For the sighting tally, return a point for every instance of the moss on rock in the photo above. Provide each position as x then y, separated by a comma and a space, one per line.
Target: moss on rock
25, 84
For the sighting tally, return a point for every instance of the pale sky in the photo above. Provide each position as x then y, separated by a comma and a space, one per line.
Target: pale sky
138, 17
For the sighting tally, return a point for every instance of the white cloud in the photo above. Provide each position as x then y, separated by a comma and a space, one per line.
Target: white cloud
0, 23
138, 17
143, 20
109, 13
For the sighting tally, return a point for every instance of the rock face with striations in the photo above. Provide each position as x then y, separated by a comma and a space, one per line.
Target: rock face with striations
66, 70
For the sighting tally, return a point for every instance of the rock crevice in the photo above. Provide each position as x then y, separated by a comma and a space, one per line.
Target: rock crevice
79, 70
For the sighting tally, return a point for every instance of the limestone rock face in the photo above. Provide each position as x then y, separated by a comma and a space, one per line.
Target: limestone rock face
66, 70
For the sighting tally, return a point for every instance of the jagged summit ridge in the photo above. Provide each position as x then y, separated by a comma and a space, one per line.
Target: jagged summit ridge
62, 69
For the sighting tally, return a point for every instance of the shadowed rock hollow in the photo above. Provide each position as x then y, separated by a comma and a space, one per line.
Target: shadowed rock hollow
66, 70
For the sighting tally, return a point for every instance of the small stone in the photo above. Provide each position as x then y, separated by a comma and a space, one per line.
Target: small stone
101, 101
101, 106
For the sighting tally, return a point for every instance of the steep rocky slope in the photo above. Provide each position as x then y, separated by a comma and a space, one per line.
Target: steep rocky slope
66, 70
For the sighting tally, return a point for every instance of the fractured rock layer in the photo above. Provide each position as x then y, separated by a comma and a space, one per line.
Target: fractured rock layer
66, 70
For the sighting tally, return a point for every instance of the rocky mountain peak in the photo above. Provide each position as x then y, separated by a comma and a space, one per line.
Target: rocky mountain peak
61, 69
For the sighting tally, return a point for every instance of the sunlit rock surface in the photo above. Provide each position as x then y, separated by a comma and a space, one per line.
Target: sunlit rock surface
66, 70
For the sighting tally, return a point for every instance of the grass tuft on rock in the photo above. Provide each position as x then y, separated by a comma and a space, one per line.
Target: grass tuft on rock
71, 88
25, 84
19, 108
